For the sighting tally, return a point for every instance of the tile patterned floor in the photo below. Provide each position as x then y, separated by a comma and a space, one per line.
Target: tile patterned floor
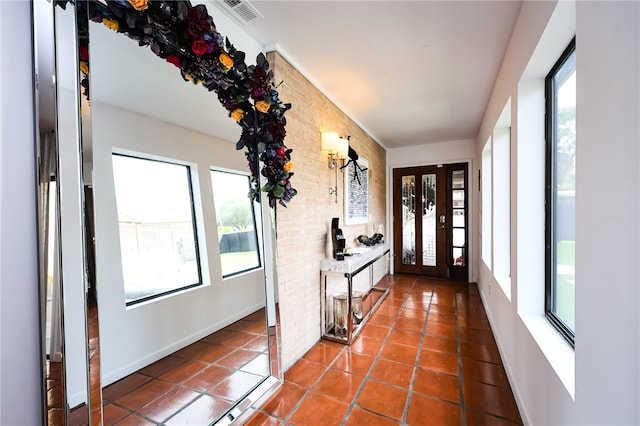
426, 357
55, 410
193, 386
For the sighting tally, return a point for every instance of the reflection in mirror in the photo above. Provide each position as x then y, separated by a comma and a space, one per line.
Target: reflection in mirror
48, 217
204, 342
212, 347
94, 391
61, 254
236, 223
156, 220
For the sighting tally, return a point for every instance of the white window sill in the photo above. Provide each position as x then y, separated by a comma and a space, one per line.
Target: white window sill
555, 348
505, 284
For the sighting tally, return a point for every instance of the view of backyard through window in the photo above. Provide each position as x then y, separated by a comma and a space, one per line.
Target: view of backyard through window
235, 222
157, 229
564, 190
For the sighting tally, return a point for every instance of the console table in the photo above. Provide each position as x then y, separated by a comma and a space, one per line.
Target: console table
357, 282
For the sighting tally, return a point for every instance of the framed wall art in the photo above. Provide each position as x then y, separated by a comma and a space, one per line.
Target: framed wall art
356, 192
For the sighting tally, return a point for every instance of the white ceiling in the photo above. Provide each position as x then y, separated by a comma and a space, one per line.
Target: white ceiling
408, 72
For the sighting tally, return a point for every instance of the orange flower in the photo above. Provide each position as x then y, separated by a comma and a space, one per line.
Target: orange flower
288, 166
263, 106
84, 67
237, 114
139, 5
226, 61
111, 23
190, 78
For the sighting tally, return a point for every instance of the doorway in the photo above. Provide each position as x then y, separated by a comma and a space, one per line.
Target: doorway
430, 221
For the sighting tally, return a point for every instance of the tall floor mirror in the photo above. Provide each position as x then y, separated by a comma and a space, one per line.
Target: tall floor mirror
159, 300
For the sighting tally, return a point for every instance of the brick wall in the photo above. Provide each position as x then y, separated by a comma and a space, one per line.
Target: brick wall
303, 226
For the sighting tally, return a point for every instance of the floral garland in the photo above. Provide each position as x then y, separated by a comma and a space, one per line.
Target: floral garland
185, 36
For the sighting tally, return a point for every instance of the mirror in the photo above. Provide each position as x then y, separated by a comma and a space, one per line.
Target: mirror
49, 217
209, 342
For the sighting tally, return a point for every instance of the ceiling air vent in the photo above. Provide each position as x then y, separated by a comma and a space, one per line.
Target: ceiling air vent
244, 11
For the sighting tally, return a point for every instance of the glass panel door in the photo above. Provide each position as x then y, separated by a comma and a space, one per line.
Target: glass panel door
457, 212
419, 232
429, 219
408, 220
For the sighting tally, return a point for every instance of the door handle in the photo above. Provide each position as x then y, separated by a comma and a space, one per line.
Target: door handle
443, 219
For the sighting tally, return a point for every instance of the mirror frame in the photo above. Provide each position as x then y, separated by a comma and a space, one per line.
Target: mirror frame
244, 407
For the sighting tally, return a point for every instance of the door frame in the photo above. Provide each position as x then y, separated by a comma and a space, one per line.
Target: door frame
440, 268
472, 184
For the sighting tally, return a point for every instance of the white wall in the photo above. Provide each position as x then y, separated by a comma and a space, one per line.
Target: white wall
459, 151
20, 365
598, 383
607, 210
431, 153
133, 337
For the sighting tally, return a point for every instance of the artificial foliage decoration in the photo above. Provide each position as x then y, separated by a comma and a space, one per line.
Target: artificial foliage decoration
186, 36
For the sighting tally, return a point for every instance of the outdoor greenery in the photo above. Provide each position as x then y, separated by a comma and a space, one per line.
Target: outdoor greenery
566, 149
235, 215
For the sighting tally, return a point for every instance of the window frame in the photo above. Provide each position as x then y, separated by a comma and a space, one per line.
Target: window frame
252, 206
486, 203
194, 224
551, 113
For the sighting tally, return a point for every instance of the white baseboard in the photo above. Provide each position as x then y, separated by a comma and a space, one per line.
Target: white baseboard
115, 375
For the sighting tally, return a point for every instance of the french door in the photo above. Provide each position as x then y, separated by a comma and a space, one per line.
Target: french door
430, 221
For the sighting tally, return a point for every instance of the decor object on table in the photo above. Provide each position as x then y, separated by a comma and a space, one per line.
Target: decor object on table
337, 239
370, 241
340, 314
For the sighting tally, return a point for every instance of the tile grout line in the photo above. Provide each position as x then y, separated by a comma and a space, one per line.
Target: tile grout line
463, 410
377, 357
327, 367
463, 297
416, 364
180, 384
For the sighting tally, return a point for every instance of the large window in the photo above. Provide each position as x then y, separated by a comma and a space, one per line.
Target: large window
486, 182
236, 223
157, 227
502, 198
502, 206
560, 92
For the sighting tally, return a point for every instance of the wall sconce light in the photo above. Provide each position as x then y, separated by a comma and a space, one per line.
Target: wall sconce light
337, 149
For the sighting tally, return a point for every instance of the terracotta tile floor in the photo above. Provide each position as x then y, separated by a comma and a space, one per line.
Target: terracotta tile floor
193, 386
426, 357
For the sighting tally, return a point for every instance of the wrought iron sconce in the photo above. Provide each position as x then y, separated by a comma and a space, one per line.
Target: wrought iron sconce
337, 149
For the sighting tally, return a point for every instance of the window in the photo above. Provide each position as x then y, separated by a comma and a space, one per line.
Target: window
486, 204
157, 227
502, 199
236, 223
560, 185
